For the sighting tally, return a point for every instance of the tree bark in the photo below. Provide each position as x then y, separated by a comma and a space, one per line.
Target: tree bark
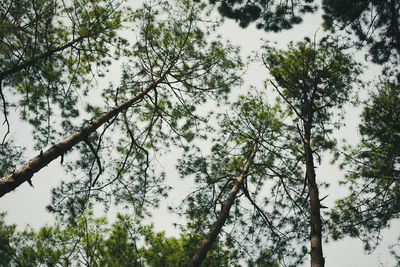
317, 258
25, 173
215, 229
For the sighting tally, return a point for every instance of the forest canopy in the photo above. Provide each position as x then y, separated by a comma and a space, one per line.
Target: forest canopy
109, 87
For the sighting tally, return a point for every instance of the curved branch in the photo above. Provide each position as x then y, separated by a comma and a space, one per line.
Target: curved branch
5, 116
95, 154
13, 180
29, 62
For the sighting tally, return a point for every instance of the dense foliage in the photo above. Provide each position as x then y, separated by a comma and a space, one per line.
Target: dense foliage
93, 242
376, 24
269, 15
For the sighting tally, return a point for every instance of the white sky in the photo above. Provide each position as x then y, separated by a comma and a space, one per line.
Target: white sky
27, 205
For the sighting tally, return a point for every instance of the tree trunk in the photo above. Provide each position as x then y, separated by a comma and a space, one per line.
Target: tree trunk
25, 173
317, 258
215, 229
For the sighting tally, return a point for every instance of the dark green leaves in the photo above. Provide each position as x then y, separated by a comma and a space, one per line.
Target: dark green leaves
120, 162
374, 22
94, 242
269, 15
50, 52
315, 80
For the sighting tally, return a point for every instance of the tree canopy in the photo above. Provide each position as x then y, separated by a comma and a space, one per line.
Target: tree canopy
314, 81
255, 194
376, 24
269, 15
50, 51
373, 176
94, 242
170, 69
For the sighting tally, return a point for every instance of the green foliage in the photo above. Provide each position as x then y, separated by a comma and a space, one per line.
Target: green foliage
264, 215
264, 260
6, 237
50, 52
163, 251
10, 156
373, 177
374, 22
269, 15
315, 81
92, 242
119, 161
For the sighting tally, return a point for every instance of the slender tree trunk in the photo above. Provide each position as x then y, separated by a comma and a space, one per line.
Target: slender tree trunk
317, 258
25, 173
215, 229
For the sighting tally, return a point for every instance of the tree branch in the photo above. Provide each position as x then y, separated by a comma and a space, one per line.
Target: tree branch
13, 180
215, 229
